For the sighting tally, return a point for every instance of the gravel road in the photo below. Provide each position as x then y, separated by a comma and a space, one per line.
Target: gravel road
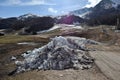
108, 62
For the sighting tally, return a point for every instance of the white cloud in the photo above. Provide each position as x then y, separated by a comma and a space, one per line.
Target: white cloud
22, 3
64, 12
11, 2
92, 3
52, 10
34, 2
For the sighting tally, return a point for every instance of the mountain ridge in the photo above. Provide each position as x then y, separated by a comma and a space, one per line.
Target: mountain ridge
103, 4
105, 12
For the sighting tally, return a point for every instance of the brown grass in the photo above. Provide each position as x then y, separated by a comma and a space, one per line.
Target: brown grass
96, 33
18, 38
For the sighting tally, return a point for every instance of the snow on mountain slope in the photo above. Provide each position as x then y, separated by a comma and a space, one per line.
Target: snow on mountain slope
61, 27
81, 12
103, 4
25, 16
116, 1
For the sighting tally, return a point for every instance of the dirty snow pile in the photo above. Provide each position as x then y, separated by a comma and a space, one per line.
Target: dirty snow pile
61, 53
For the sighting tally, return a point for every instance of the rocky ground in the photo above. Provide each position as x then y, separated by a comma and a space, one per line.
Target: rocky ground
69, 74
103, 54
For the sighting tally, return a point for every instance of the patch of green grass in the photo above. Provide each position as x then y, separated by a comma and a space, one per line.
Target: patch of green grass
20, 38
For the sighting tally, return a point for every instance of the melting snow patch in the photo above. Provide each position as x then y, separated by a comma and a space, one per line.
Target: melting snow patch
61, 53
27, 43
13, 58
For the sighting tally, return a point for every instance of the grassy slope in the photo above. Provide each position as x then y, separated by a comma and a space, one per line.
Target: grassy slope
8, 48
18, 38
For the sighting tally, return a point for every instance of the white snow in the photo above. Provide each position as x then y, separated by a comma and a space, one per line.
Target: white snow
60, 53
62, 27
27, 43
54, 27
116, 1
13, 58
25, 16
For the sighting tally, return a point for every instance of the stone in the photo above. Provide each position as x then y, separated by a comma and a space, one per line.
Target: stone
13, 58
59, 54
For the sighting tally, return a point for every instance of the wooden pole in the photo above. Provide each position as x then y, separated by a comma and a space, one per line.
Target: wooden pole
118, 24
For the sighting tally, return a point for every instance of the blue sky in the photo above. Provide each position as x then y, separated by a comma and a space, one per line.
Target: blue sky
10, 8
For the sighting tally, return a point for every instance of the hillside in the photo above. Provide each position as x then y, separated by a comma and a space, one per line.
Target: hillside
105, 12
28, 23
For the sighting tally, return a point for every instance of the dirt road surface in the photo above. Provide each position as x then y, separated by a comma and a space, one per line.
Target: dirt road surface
69, 74
108, 62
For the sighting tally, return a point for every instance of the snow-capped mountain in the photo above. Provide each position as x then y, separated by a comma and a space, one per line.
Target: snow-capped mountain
105, 12
29, 15
106, 7
101, 6
117, 2
27, 24
81, 12
105, 4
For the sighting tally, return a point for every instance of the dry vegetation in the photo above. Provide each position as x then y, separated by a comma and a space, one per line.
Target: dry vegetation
102, 33
18, 38
8, 47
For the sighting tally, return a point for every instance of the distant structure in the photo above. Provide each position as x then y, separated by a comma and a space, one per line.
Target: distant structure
118, 24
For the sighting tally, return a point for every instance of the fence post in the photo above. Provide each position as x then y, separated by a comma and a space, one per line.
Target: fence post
118, 24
